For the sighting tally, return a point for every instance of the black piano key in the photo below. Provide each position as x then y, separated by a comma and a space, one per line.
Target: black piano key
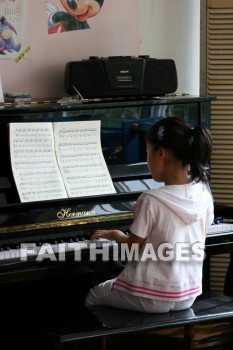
6, 247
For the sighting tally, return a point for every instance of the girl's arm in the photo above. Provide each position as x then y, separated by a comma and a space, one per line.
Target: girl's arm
118, 236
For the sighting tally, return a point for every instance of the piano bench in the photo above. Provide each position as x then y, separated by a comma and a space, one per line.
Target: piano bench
106, 328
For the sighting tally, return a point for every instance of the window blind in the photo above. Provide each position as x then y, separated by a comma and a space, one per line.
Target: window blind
220, 84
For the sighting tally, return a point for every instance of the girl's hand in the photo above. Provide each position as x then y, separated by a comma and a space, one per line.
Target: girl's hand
112, 235
118, 236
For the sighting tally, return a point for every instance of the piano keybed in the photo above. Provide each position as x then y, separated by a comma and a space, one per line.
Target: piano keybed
52, 250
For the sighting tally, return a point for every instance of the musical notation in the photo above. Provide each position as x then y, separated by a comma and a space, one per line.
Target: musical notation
34, 163
80, 159
58, 160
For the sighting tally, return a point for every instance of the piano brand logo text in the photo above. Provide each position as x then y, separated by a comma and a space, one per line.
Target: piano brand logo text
66, 213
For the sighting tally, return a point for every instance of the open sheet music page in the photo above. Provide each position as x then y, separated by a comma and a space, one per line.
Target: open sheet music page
80, 158
34, 163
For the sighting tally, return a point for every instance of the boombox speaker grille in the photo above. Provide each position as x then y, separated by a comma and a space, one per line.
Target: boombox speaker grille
160, 76
88, 77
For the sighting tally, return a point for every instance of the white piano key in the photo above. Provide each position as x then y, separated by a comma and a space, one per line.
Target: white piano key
31, 250
219, 228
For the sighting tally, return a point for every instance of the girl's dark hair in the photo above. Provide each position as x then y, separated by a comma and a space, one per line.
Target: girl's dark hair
192, 147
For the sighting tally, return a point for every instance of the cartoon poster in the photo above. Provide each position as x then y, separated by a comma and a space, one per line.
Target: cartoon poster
12, 25
67, 15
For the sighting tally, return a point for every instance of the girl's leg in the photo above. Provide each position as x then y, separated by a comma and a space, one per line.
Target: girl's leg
104, 294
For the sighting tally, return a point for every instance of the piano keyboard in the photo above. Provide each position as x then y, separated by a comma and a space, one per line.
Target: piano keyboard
219, 228
9, 255
33, 251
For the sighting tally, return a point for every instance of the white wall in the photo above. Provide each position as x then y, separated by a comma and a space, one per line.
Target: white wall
114, 32
171, 29
160, 28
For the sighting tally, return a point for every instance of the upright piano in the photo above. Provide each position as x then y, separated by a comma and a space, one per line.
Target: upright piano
30, 285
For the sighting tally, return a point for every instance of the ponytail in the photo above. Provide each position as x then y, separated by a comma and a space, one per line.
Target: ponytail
200, 153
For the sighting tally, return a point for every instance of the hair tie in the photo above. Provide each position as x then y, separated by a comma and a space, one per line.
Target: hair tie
160, 133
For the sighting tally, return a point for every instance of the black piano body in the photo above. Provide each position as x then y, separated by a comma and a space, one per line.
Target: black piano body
46, 284
124, 123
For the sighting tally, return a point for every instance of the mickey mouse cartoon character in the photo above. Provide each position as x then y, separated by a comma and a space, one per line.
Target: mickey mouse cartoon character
6, 37
75, 17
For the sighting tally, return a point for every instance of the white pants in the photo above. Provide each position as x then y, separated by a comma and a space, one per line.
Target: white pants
103, 294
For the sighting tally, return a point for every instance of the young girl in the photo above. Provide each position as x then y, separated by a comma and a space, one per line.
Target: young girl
171, 220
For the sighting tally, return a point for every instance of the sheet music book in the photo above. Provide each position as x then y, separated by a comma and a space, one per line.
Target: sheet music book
58, 160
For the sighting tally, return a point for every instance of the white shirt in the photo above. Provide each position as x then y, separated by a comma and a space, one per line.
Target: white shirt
172, 219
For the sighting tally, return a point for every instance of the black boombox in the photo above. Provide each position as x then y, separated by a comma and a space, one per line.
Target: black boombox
121, 76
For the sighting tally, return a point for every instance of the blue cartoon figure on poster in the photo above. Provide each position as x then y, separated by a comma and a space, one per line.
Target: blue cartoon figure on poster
7, 31
74, 17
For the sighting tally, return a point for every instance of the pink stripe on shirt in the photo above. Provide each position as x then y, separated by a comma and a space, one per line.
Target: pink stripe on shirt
156, 293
